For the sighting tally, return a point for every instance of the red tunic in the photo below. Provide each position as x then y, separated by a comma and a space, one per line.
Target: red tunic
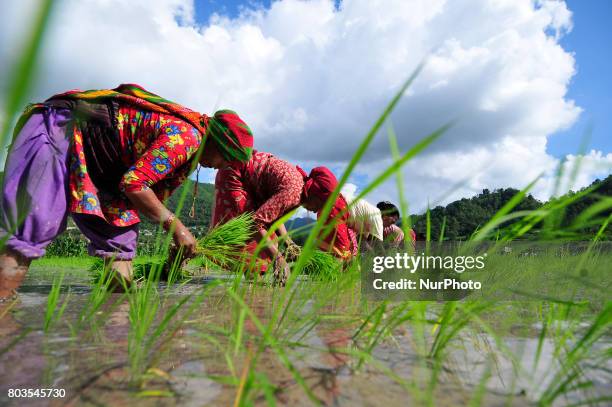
265, 185
395, 235
341, 238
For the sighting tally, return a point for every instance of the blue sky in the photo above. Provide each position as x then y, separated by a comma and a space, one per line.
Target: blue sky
591, 87
231, 8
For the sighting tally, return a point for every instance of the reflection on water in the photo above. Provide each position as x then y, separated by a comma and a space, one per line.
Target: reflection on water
192, 369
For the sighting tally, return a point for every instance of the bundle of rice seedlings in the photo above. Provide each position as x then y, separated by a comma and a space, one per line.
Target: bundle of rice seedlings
323, 265
222, 246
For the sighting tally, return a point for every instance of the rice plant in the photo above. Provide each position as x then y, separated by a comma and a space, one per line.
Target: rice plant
153, 323
93, 310
52, 313
322, 265
143, 268
221, 247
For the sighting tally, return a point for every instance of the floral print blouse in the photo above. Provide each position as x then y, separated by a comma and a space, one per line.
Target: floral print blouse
157, 150
267, 186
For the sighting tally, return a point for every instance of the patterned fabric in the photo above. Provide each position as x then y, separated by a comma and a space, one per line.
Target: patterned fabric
129, 94
341, 238
235, 141
36, 167
232, 136
395, 235
158, 150
265, 185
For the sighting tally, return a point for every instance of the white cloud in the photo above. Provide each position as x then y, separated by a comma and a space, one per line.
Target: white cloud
585, 167
349, 191
310, 80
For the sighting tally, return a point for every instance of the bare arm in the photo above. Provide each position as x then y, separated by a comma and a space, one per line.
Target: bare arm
282, 231
326, 247
271, 244
147, 203
283, 234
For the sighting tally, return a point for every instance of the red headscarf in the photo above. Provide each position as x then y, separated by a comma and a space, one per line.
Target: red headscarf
231, 135
321, 182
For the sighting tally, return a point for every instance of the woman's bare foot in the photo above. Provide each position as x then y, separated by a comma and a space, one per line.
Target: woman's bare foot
123, 274
13, 268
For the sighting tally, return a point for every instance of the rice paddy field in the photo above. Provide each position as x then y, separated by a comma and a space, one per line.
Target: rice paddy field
217, 338
207, 333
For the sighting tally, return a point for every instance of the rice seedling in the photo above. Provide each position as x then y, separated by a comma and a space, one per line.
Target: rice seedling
24, 70
90, 313
152, 326
322, 265
292, 252
570, 376
143, 268
221, 247
52, 313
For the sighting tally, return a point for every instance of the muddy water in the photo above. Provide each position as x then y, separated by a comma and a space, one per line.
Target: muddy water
92, 365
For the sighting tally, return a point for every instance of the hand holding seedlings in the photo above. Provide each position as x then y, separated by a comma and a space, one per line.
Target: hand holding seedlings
281, 271
292, 251
183, 238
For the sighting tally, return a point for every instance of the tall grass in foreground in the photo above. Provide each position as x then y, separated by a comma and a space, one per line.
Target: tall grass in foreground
304, 308
153, 323
23, 72
95, 311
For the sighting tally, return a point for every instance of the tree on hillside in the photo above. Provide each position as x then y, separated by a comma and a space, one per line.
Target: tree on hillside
466, 215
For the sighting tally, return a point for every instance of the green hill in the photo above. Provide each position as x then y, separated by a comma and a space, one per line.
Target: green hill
465, 216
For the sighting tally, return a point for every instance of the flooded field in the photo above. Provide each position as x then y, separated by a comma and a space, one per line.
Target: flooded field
227, 341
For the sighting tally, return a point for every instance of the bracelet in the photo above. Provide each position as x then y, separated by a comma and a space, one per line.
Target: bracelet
167, 224
12, 297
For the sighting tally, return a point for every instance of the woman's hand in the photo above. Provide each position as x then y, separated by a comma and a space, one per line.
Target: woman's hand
148, 204
183, 238
281, 271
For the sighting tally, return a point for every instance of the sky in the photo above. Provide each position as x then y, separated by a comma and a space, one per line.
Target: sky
591, 87
520, 81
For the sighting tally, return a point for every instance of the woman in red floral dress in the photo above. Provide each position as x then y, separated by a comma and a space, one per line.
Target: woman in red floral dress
266, 186
105, 157
269, 188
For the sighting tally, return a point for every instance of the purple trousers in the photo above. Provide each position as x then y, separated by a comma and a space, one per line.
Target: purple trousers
34, 201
